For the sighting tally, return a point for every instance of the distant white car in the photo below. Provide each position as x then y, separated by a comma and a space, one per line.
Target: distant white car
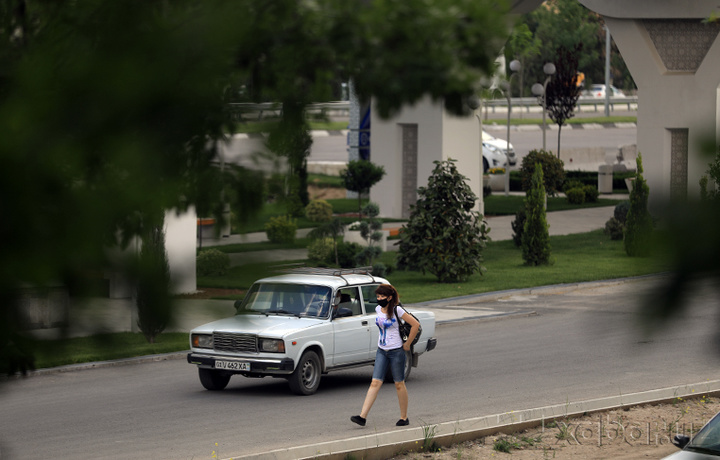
598, 91
496, 153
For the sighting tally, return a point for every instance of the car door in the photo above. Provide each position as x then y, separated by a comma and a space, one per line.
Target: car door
369, 305
351, 328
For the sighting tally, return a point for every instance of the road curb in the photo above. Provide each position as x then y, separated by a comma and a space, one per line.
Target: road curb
378, 446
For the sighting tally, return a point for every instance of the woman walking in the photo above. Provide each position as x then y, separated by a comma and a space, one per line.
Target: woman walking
390, 353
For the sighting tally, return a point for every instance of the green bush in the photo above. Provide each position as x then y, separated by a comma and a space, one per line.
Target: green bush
570, 184
614, 228
294, 205
639, 225
553, 172
591, 193
535, 237
346, 254
517, 226
322, 249
621, 210
575, 196
211, 262
444, 236
319, 211
380, 269
281, 229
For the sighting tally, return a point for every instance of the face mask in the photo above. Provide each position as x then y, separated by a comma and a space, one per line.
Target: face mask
383, 302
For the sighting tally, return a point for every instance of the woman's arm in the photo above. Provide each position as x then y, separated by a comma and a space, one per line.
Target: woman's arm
414, 327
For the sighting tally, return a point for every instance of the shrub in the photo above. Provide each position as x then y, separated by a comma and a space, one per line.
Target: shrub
154, 306
621, 210
638, 228
346, 254
211, 262
591, 193
535, 237
553, 172
319, 211
575, 196
517, 226
571, 184
360, 176
322, 249
443, 235
614, 228
294, 205
281, 229
380, 269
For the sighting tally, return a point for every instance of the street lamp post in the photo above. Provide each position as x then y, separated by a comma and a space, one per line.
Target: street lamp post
475, 103
540, 91
515, 67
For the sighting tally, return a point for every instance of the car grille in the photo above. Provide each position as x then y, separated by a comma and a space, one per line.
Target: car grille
235, 343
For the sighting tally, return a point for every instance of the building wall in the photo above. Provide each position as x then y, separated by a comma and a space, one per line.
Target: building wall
180, 244
440, 136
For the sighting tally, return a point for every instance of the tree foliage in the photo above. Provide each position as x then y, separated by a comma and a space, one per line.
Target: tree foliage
535, 236
443, 235
111, 113
360, 176
553, 171
639, 224
565, 23
562, 90
153, 302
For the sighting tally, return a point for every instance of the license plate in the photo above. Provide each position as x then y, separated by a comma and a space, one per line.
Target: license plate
232, 365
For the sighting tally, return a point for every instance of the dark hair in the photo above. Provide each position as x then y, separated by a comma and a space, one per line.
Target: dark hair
392, 295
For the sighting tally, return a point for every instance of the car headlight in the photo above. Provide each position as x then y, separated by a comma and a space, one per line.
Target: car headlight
201, 340
271, 345
492, 148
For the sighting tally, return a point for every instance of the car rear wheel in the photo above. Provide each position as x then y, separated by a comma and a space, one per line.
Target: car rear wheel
306, 378
213, 380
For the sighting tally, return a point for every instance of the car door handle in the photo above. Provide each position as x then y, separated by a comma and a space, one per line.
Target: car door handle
364, 323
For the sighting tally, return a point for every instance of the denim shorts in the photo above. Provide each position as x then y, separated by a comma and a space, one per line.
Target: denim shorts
395, 359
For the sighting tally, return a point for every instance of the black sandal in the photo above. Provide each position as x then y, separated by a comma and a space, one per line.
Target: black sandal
357, 419
402, 422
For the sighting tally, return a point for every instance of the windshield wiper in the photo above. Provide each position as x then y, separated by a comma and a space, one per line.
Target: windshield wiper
285, 312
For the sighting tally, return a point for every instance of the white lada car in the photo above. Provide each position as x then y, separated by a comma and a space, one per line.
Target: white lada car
299, 326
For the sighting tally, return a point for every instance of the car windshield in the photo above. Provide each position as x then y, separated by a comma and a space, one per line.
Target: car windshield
287, 299
708, 439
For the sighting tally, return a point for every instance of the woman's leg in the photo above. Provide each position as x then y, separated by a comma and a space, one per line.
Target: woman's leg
370, 397
402, 399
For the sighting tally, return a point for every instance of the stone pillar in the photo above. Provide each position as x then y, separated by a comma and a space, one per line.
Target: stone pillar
674, 57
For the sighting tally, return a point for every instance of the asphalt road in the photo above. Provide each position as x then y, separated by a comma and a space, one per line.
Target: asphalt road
580, 345
334, 147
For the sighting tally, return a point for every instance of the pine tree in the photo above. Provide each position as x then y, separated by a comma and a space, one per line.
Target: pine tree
535, 237
639, 226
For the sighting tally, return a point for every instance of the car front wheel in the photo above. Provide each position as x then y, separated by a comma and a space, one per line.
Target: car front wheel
213, 380
306, 378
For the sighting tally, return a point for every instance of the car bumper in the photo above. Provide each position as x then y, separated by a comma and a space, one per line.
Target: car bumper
431, 344
264, 366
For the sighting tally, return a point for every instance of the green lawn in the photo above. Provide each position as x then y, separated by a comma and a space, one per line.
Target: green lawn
582, 257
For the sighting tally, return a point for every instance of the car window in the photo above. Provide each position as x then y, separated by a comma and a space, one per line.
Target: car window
287, 299
368, 293
349, 302
708, 439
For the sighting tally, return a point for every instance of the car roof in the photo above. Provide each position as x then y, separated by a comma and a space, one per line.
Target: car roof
333, 278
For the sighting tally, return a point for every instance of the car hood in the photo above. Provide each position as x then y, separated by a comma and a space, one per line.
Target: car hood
499, 143
268, 326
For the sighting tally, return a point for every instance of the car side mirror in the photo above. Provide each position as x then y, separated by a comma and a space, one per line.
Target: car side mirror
237, 304
680, 440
